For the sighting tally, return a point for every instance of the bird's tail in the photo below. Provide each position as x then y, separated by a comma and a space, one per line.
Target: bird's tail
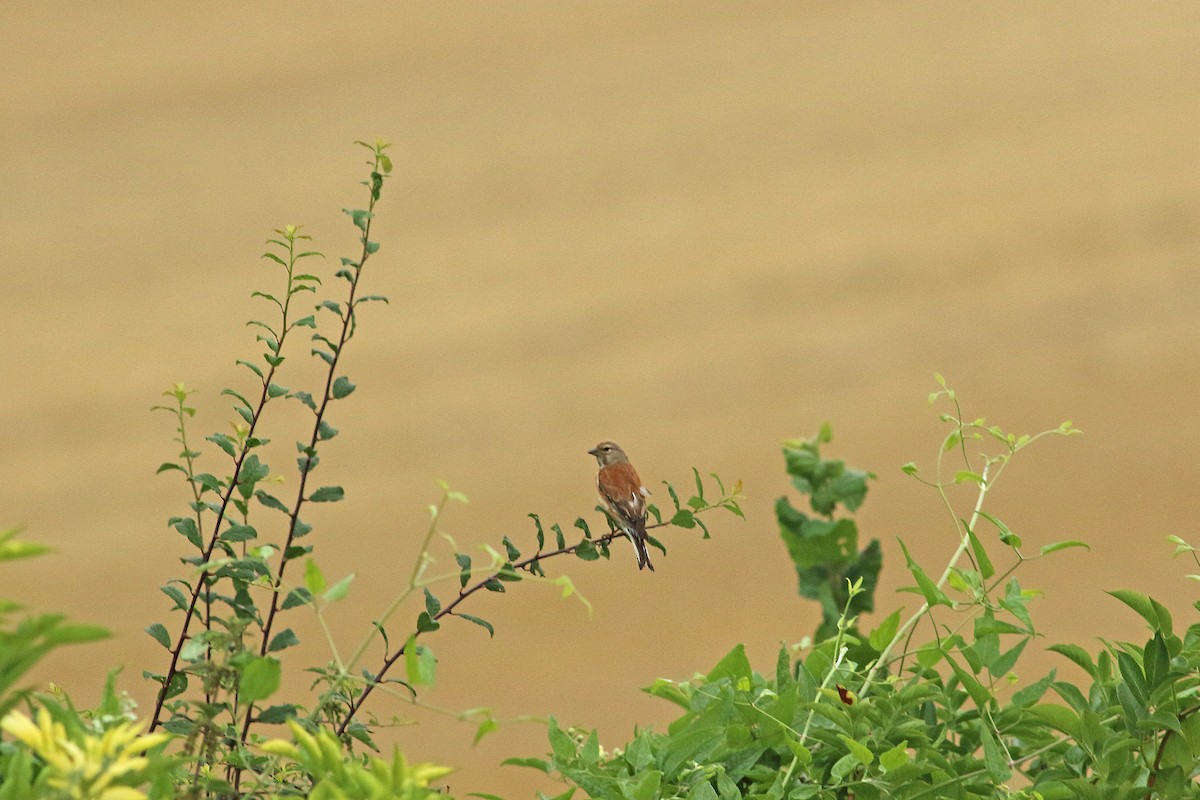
638, 537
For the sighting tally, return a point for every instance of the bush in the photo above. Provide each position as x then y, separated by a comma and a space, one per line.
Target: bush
888, 714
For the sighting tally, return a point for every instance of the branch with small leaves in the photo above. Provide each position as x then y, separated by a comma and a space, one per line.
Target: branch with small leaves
418, 659
975, 580
335, 388
248, 470
236, 675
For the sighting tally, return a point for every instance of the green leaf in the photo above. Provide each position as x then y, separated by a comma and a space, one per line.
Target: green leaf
994, 756
894, 758
270, 501
967, 476
647, 786
1006, 661
533, 763
882, 636
276, 715
1150, 609
178, 685
1006, 536
209, 482
734, 665
159, 632
541, 535
327, 494
325, 431
684, 519
224, 442
1156, 662
979, 693
338, 590
981, 557
432, 604
342, 387
1131, 671
674, 496
314, 579
283, 640
1056, 546
988, 625
513, 553
260, 679
238, 533
426, 623
176, 594
296, 597
933, 595
419, 663
1076, 654
485, 727
1024, 698
252, 367
560, 540
1134, 708
187, 527
483, 623
586, 551
360, 217
464, 564
561, 743
858, 750
1059, 717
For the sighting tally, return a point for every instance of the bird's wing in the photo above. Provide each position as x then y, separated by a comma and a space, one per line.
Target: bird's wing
622, 488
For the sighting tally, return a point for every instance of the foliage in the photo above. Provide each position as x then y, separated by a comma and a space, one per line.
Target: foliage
891, 715
33, 637
825, 551
76, 762
315, 764
234, 601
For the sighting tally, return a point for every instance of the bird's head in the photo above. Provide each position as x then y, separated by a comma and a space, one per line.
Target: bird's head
608, 453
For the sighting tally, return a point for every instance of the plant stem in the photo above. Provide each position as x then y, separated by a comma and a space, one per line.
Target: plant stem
963, 544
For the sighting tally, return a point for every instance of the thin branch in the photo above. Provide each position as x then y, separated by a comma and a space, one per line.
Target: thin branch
348, 322
448, 610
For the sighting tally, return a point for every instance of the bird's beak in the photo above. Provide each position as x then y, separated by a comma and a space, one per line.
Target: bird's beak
594, 452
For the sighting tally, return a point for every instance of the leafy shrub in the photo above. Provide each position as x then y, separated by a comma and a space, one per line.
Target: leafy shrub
889, 714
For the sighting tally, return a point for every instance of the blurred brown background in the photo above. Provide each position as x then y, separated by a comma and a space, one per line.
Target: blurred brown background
694, 228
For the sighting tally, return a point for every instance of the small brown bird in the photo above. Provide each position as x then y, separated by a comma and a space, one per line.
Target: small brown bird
624, 496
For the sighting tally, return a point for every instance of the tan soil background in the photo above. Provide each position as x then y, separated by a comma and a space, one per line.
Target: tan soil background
694, 228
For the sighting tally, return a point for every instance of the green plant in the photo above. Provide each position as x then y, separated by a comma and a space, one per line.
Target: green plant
891, 715
24, 644
225, 658
313, 765
97, 756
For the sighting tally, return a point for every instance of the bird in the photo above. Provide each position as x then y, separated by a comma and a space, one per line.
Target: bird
624, 496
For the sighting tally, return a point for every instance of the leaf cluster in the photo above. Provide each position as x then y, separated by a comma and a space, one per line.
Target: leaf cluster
824, 550
27, 640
